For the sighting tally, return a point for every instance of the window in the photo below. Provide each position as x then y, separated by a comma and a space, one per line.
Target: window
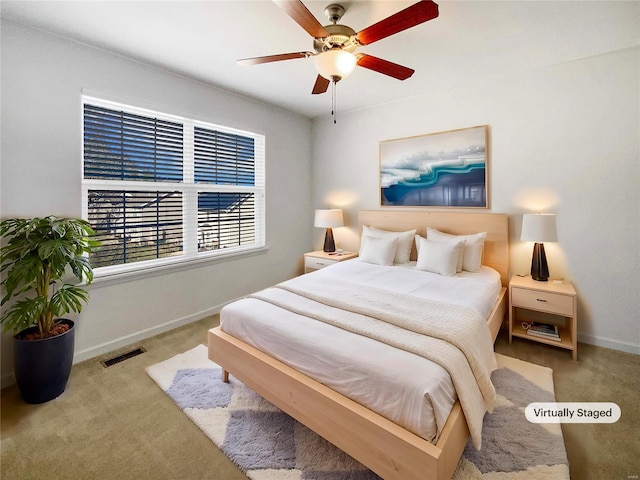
162, 189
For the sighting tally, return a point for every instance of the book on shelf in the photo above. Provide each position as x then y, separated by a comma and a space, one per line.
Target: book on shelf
543, 330
544, 335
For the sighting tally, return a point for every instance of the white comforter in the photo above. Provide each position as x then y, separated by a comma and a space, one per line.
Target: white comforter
404, 387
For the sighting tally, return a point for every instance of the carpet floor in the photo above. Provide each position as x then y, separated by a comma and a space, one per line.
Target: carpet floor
267, 444
116, 424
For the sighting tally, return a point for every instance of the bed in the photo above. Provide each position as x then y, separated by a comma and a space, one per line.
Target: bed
389, 448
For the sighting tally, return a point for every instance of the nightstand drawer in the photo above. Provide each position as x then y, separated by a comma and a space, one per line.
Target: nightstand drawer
542, 301
317, 263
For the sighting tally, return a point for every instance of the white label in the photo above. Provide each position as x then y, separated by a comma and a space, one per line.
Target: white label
572, 412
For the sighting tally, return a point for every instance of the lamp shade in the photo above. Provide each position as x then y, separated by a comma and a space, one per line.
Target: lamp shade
328, 218
539, 227
335, 64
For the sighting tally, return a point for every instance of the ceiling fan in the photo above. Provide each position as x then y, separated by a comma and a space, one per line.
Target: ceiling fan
334, 44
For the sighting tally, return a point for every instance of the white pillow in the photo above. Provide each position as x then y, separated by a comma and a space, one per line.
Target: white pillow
438, 257
438, 236
378, 250
473, 247
405, 240
473, 256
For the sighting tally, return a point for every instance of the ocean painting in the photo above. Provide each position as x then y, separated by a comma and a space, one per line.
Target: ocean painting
446, 169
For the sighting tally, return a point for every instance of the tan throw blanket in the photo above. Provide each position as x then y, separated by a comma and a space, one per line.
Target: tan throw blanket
455, 337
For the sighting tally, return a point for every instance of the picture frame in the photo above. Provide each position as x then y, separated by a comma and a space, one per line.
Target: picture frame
444, 169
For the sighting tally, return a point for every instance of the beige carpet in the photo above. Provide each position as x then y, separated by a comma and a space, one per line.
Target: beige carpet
268, 444
115, 423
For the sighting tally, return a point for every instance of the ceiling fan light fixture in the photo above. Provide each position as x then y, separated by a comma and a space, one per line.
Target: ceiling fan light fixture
335, 64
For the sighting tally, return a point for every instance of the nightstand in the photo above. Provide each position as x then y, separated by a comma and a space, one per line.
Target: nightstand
319, 259
546, 302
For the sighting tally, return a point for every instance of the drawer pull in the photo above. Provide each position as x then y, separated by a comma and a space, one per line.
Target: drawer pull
541, 300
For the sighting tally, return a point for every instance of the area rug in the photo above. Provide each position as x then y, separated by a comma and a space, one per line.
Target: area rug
267, 444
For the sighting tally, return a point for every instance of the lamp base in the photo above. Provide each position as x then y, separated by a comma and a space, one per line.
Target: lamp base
329, 244
539, 267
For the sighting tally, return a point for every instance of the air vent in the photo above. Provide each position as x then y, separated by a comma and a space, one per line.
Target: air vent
123, 356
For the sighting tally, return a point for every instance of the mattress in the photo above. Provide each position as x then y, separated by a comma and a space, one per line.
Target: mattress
408, 389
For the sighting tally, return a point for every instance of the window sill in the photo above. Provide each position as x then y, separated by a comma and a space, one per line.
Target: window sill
114, 278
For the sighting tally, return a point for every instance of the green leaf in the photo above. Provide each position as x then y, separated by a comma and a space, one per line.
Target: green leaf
24, 271
67, 299
23, 314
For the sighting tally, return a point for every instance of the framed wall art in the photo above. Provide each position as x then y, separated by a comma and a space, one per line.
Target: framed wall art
444, 169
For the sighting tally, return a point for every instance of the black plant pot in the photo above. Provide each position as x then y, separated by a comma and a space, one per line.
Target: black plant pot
42, 367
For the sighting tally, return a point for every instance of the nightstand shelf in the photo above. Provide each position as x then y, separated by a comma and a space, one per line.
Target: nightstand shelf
565, 336
319, 259
546, 302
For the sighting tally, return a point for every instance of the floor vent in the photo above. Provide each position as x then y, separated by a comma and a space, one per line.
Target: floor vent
123, 356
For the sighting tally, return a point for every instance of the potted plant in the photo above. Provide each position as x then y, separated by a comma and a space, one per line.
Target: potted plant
39, 254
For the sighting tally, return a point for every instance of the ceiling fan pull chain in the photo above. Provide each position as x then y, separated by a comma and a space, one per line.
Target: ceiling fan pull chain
333, 100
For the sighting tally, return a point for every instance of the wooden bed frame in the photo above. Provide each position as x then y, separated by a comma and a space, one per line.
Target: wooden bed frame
386, 448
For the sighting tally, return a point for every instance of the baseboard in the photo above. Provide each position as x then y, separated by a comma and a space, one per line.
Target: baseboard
7, 380
609, 343
95, 351
88, 353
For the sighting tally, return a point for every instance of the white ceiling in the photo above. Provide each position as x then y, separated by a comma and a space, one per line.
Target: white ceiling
470, 42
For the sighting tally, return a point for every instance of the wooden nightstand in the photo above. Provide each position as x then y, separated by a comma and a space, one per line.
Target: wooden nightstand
546, 302
319, 259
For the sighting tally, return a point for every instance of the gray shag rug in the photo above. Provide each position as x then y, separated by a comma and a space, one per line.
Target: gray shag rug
267, 444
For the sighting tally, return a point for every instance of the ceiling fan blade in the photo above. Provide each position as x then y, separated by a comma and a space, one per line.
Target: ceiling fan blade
273, 58
303, 17
321, 85
409, 17
384, 66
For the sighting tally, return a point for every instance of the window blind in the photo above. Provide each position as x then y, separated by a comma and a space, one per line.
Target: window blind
119, 145
225, 220
223, 158
134, 226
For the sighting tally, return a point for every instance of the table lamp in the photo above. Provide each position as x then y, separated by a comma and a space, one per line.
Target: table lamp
538, 228
329, 219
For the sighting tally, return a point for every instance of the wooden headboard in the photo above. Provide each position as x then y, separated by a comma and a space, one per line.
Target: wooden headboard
496, 246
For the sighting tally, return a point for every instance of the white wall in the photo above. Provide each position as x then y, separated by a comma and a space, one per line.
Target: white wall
42, 79
563, 139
